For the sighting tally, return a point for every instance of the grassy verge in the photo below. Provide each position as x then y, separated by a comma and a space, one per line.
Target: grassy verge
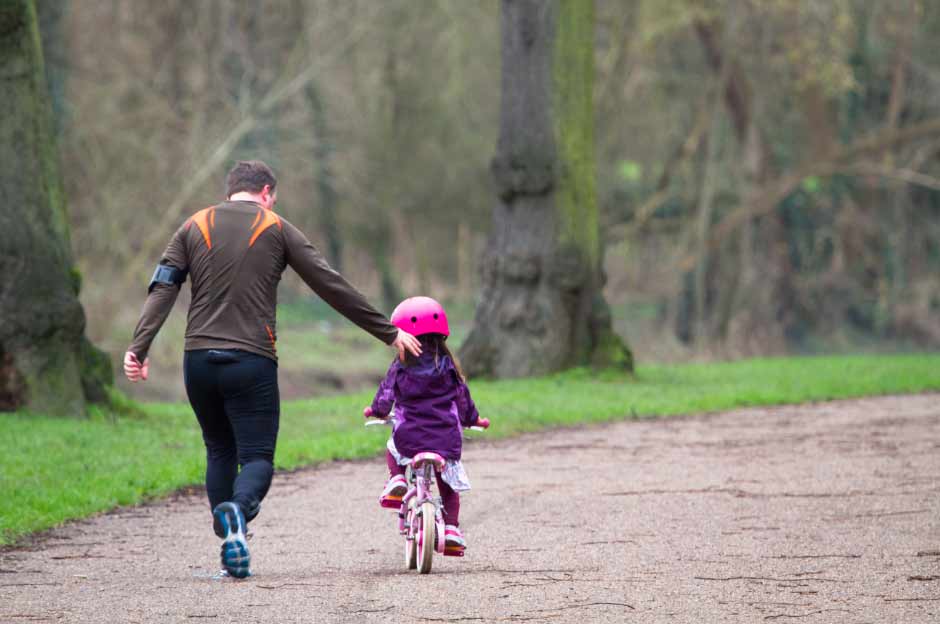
52, 470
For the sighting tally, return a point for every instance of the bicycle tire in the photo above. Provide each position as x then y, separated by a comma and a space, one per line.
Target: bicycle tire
427, 539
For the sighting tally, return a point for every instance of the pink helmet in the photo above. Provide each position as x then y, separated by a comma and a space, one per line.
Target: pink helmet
421, 315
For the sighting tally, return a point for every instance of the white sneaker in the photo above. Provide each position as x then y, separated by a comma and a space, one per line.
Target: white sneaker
454, 537
394, 490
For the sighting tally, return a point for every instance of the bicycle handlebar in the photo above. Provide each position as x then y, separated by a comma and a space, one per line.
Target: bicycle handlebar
482, 424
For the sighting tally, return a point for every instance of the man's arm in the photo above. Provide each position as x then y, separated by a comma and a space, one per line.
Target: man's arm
313, 268
156, 309
163, 290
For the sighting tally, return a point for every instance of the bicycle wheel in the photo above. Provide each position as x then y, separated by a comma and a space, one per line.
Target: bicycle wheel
427, 538
411, 542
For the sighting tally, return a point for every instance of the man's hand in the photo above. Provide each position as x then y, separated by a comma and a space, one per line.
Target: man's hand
403, 341
367, 412
133, 369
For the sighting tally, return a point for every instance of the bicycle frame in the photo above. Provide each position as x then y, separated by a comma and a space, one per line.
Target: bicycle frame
420, 491
419, 488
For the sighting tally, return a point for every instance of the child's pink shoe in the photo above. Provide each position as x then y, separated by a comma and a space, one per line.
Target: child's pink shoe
454, 543
394, 490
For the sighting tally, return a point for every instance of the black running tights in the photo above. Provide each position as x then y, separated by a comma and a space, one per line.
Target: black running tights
235, 396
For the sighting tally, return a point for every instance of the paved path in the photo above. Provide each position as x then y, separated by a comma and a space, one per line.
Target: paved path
823, 513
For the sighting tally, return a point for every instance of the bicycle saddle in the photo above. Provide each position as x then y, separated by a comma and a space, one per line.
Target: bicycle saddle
422, 458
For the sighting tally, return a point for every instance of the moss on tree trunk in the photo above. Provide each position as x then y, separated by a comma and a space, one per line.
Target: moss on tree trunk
46, 364
541, 308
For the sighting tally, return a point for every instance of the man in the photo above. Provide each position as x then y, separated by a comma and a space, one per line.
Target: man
234, 254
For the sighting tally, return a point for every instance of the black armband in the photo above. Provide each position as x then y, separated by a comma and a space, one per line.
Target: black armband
165, 274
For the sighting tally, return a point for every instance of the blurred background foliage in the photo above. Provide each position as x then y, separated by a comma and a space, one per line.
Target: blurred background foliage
768, 173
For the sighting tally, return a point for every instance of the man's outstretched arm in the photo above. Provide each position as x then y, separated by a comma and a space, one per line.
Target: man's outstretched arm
340, 294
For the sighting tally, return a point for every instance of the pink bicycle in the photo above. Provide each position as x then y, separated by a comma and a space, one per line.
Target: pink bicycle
420, 518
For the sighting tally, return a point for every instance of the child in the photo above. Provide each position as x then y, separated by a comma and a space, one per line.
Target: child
432, 404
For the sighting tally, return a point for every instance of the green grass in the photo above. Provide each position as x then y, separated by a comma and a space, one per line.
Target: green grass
52, 470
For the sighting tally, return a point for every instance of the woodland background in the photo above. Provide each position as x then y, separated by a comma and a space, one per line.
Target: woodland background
806, 130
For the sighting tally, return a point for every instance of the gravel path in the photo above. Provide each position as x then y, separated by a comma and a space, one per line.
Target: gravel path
819, 513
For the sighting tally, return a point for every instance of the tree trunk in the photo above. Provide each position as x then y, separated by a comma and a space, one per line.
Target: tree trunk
542, 307
322, 161
702, 312
900, 237
752, 322
52, 33
46, 364
247, 82
756, 314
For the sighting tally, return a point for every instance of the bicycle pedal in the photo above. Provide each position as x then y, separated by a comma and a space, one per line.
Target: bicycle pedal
454, 551
390, 502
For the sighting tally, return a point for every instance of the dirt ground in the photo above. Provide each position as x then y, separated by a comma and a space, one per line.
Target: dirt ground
819, 513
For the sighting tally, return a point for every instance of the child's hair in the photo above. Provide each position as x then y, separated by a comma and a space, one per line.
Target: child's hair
436, 344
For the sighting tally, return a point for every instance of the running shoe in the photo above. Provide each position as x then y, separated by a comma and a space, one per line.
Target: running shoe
229, 524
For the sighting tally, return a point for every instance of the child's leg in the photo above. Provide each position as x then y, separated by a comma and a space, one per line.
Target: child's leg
451, 502
393, 467
395, 487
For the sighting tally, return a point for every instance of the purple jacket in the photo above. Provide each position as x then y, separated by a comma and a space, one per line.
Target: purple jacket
432, 405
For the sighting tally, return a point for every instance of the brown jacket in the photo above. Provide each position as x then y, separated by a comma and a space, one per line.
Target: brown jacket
235, 253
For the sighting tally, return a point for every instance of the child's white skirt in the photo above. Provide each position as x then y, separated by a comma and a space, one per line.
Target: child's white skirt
453, 475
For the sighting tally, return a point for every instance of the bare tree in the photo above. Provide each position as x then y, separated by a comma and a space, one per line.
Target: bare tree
46, 364
541, 308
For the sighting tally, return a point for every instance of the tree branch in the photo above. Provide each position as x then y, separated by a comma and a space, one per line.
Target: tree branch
221, 152
841, 161
914, 178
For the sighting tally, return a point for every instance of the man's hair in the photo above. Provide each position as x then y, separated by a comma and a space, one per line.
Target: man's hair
249, 175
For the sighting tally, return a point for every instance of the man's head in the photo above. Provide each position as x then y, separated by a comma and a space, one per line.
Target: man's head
255, 178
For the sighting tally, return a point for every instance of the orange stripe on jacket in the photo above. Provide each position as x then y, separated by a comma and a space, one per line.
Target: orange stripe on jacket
267, 220
271, 336
204, 220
